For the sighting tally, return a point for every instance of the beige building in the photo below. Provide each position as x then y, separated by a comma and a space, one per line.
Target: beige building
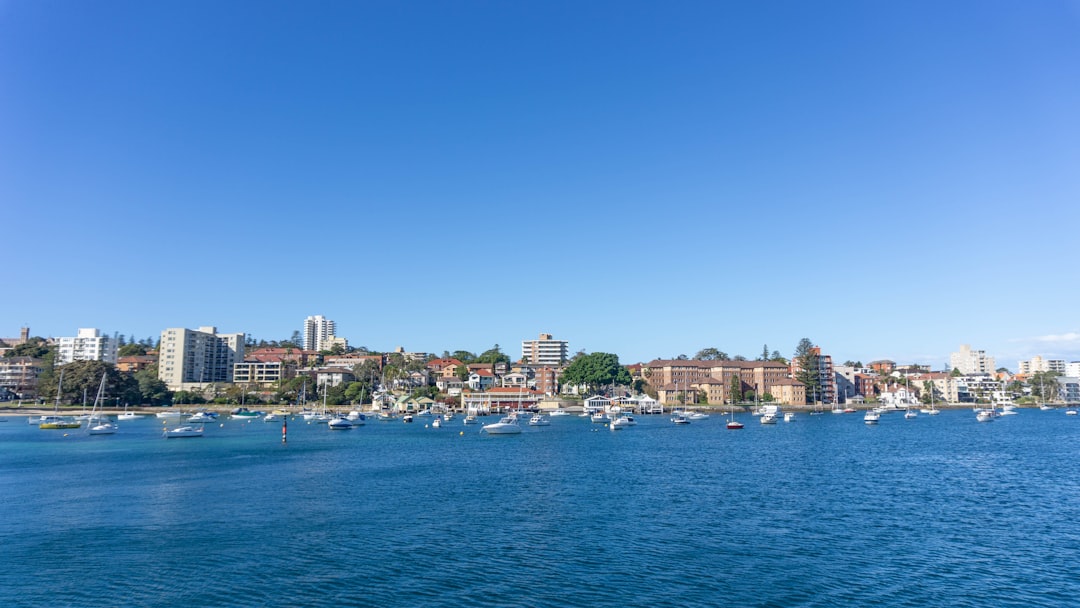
262, 372
545, 351
189, 358
672, 377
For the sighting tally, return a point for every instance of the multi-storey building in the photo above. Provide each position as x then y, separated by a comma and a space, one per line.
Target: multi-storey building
89, 345
135, 363
262, 372
545, 351
971, 361
20, 375
1072, 369
317, 332
1038, 364
190, 358
674, 377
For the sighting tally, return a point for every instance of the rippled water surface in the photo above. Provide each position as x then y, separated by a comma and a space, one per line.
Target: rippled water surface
822, 511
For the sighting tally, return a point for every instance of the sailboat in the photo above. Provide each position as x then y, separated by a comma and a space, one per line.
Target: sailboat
56, 421
733, 424
103, 426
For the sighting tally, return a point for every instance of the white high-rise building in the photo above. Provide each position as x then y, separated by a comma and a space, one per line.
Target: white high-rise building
317, 332
89, 345
198, 357
971, 361
545, 351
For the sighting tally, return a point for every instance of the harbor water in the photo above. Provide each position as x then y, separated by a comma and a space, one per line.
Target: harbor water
821, 511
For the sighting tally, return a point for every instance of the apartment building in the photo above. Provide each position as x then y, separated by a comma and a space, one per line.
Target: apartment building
20, 375
189, 358
545, 351
317, 332
1038, 364
674, 377
970, 361
262, 372
89, 345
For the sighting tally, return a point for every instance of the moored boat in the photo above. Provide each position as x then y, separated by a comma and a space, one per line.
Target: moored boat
183, 432
508, 425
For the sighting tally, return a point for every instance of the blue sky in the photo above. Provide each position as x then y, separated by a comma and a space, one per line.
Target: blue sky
888, 179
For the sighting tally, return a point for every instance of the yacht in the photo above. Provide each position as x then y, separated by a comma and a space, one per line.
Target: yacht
505, 426
560, 412
202, 418
356, 418
698, 416
58, 422
982, 415
471, 419
871, 417
539, 420
789, 416
436, 423
183, 431
679, 418
103, 428
339, 424
600, 418
622, 422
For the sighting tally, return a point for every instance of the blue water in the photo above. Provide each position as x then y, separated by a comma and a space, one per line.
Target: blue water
822, 511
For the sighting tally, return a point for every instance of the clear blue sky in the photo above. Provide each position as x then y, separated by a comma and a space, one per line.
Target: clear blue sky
889, 179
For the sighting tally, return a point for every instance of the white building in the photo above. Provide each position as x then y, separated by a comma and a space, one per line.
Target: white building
545, 351
190, 358
1072, 369
317, 332
1038, 364
971, 361
89, 345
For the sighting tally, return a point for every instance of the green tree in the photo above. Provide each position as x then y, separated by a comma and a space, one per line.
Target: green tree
807, 361
595, 370
461, 372
735, 392
132, 349
151, 389
35, 347
711, 354
776, 356
464, 356
764, 353
493, 355
84, 377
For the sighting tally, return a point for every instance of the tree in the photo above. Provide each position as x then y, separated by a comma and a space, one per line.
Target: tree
493, 355
84, 377
776, 356
764, 353
955, 372
151, 389
850, 363
595, 370
738, 358
461, 372
807, 361
735, 390
464, 356
711, 354
132, 349
35, 347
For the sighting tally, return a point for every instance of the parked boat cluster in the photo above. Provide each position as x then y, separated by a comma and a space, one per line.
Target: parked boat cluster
179, 424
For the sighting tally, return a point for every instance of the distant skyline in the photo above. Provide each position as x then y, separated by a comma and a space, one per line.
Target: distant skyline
890, 180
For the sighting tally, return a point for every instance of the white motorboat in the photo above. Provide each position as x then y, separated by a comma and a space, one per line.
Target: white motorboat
679, 418
600, 418
271, 417
183, 431
1045, 406
698, 416
128, 416
911, 414
622, 422
560, 412
871, 417
789, 416
1070, 412
984, 415
202, 418
505, 426
169, 414
768, 418
539, 420
407, 418
339, 424
436, 423
471, 419
356, 418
